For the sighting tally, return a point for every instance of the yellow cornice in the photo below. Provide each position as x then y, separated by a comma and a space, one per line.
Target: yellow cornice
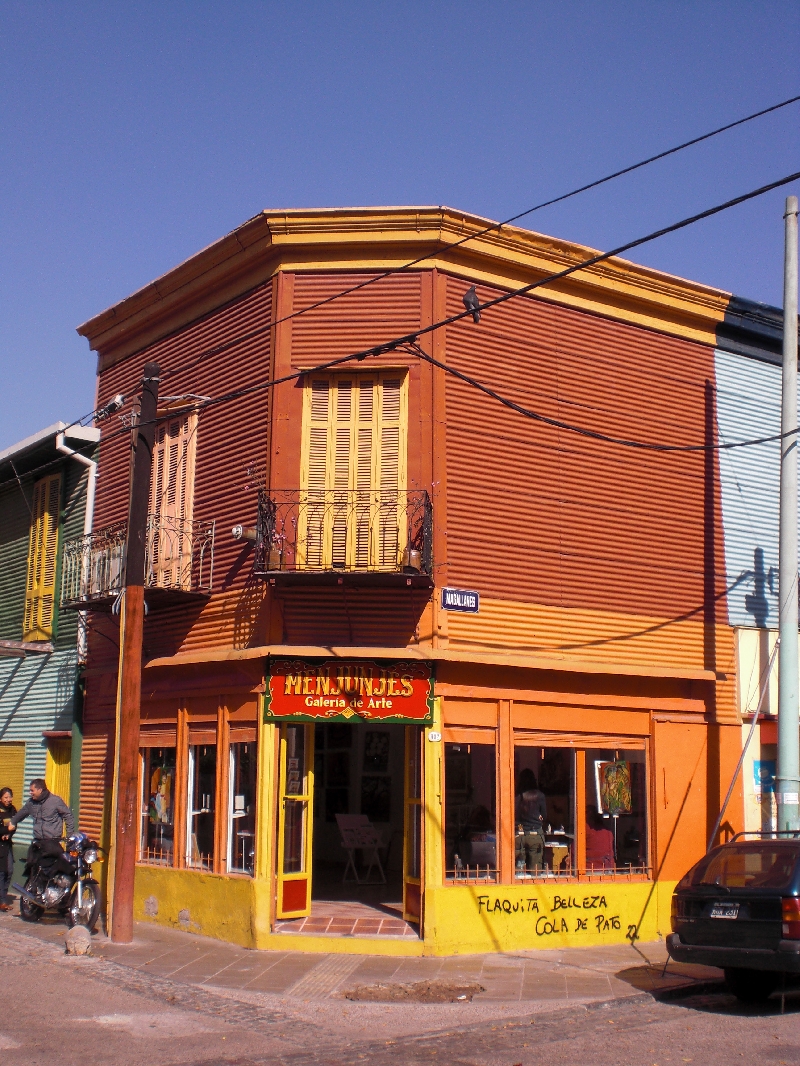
363, 239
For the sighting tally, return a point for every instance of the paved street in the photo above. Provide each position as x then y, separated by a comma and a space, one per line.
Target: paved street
175, 998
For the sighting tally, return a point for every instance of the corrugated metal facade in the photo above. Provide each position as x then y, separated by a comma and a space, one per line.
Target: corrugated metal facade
598, 535
749, 406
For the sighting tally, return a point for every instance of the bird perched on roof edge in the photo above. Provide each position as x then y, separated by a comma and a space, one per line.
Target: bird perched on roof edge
473, 304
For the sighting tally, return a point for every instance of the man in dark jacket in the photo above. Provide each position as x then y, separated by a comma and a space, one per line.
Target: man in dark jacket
50, 814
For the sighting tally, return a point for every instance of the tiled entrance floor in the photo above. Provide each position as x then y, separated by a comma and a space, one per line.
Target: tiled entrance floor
351, 918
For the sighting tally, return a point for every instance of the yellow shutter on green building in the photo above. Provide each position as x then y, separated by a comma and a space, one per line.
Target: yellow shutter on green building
40, 590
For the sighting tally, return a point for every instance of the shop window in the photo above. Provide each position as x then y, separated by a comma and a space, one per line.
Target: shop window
616, 811
579, 812
295, 804
157, 843
544, 811
242, 808
201, 800
470, 812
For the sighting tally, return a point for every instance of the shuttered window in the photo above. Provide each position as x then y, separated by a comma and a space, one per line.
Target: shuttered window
12, 770
169, 541
353, 471
40, 590
58, 767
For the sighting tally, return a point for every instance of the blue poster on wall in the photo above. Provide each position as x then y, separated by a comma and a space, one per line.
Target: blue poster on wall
764, 775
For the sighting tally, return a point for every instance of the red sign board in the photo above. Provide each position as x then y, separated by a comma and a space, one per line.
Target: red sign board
349, 690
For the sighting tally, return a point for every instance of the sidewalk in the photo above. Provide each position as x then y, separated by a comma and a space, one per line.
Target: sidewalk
315, 986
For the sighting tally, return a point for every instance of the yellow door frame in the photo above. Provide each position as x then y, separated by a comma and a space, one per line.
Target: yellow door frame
294, 886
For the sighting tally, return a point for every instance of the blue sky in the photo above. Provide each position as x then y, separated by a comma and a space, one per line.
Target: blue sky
133, 135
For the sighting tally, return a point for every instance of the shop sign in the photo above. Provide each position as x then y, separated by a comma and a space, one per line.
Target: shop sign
465, 600
348, 690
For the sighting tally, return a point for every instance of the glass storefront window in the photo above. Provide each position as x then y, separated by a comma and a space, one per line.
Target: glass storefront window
157, 843
201, 814
295, 802
544, 812
242, 808
616, 811
470, 812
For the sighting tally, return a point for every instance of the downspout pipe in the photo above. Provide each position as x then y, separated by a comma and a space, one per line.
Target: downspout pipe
88, 521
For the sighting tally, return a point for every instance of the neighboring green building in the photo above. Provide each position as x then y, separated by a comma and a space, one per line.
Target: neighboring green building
46, 498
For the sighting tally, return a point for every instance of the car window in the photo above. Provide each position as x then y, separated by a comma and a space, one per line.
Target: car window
746, 866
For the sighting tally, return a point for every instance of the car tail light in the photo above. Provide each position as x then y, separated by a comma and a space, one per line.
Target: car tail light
791, 918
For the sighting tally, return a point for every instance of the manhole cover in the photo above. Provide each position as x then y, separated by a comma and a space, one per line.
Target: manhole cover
419, 992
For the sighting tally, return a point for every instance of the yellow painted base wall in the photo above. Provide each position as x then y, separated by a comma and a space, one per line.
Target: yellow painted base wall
473, 919
462, 920
221, 907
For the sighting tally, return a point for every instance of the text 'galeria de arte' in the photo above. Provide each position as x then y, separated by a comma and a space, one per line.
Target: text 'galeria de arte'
459, 680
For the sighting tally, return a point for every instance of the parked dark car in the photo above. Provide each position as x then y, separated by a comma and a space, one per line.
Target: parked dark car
739, 909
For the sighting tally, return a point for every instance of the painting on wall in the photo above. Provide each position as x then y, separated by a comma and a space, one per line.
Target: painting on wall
613, 784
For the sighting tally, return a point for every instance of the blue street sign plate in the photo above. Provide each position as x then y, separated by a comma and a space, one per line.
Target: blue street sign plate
460, 600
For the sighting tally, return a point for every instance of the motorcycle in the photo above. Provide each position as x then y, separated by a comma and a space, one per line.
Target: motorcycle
63, 882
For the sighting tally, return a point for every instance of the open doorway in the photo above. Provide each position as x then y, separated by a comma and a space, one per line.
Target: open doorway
358, 770
361, 856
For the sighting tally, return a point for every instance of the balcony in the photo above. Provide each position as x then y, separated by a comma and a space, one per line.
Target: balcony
179, 564
345, 537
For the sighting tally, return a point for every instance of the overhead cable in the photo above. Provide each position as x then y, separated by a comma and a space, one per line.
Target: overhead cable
440, 252
411, 339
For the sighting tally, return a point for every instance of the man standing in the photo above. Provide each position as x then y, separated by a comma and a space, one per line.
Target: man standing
50, 814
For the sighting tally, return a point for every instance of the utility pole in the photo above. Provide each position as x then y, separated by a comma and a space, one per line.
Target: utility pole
788, 769
129, 684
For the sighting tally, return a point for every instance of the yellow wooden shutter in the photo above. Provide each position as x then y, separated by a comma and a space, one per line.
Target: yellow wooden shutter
388, 475
58, 767
353, 472
12, 770
171, 502
40, 589
312, 523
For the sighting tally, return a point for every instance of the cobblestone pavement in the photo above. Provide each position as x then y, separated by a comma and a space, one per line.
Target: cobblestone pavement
78, 1010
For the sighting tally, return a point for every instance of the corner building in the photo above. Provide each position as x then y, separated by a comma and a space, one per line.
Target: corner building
317, 714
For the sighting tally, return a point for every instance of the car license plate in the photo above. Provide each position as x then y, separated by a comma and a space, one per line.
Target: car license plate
725, 910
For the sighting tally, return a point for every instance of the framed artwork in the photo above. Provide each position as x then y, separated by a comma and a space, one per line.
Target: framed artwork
376, 752
613, 785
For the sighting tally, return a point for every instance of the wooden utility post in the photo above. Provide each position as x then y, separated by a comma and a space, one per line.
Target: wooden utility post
129, 686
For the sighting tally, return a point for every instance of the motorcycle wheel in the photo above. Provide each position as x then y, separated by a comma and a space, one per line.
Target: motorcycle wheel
88, 912
29, 912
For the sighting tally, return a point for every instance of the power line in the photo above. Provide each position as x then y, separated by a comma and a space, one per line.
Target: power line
218, 349
410, 340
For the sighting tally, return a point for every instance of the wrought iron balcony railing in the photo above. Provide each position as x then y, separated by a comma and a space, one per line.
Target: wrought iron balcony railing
339, 531
179, 559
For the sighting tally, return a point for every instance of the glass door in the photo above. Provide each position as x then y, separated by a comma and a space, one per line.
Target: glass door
413, 827
295, 799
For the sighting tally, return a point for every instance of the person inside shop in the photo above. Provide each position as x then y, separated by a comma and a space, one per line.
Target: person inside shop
7, 812
599, 842
530, 813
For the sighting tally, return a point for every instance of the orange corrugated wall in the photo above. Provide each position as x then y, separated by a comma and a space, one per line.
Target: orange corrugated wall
539, 515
